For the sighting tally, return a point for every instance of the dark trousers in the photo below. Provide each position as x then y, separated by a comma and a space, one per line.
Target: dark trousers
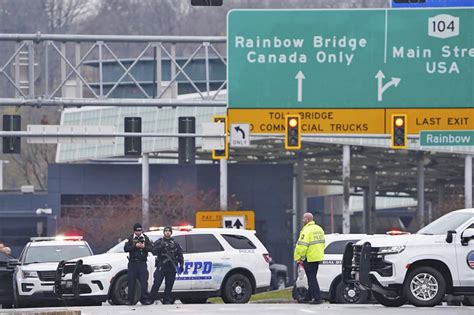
167, 272
311, 270
137, 270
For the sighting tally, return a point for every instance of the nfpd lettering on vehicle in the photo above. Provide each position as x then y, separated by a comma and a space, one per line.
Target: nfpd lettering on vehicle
196, 270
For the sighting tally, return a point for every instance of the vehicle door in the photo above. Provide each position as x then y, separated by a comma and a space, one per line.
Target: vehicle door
465, 258
178, 285
202, 262
331, 266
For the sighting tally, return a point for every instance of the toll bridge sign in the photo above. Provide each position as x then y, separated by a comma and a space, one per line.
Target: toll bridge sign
390, 58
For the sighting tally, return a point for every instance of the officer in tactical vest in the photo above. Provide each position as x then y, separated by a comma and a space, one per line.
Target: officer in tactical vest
138, 246
169, 261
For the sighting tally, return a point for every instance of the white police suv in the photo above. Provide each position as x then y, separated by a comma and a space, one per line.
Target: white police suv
330, 273
36, 269
229, 263
417, 268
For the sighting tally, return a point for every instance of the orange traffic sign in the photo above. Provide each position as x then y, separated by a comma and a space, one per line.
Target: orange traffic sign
216, 219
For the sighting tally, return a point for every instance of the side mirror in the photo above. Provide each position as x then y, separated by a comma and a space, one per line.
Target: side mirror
466, 236
449, 236
11, 263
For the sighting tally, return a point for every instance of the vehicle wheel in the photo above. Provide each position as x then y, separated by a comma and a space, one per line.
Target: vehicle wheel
237, 289
193, 300
350, 294
424, 286
389, 301
468, 300
299, 293
119, 293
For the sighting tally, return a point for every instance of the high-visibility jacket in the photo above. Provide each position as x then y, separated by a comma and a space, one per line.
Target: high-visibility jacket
310, 245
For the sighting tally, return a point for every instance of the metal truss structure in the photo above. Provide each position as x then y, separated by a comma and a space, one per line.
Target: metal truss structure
55, 70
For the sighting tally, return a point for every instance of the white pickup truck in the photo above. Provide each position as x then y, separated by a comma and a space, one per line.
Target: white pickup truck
417, 268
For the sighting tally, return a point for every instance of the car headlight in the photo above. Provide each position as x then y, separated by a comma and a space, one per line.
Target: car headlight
30, 274
101, 268
390, 250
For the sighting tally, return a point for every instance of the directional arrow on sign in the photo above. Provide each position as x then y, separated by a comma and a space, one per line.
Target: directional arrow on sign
381, 88
300, 77
238, 129
238, 224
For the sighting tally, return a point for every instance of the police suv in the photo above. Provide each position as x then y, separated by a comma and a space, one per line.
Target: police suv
229, 263
36, 269
330, 273
417, 268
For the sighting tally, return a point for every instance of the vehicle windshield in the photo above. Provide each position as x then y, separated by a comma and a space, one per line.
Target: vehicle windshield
42, 254
450, 221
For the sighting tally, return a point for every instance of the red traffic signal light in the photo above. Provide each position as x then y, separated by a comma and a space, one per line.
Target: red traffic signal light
398, 139
292, 132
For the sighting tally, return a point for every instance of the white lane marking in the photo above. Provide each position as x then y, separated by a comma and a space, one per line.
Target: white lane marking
307, 311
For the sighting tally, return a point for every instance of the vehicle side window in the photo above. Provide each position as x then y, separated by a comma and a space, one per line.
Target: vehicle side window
181, 240
203, 243
239, 241
471, 226
337, 247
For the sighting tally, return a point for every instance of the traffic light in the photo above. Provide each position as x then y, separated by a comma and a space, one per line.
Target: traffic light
399, 132
11, 144
186, 146
209, 3
221, 154
133, 145
292, 132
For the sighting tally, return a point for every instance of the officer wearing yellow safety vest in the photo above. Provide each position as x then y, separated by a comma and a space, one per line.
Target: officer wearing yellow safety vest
309, 251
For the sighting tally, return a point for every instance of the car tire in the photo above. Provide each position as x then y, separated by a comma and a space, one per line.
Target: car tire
350, 294
425, 281
389, 301
468, 300
237, 289
190, 300
119, 293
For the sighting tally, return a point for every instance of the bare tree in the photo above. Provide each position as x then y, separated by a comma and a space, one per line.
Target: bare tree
62, 14
31, 166
108, 220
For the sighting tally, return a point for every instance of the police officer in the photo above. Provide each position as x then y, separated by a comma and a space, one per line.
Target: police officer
169, 261
309, 251
138, 246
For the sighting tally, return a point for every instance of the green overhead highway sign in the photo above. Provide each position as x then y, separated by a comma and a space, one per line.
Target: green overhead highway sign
395, 58
446, 138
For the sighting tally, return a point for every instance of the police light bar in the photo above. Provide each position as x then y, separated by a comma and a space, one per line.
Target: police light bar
174, 228
56, 238
396, 232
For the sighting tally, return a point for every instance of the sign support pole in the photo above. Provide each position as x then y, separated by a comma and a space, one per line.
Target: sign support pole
145, 191
346, 172
223, 184
468, 181
421, 191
